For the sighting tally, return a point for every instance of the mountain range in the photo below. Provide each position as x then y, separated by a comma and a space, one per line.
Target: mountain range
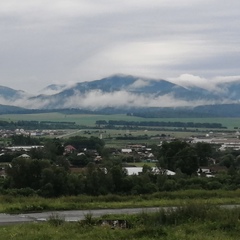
126, 93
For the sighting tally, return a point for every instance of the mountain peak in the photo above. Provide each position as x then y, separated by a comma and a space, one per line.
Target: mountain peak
118, 91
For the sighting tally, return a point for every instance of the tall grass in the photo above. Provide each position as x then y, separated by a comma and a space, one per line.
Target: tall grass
17, 204
195, 222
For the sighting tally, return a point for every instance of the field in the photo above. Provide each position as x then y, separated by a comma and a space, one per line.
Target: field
111, 137
87, 127
90, 119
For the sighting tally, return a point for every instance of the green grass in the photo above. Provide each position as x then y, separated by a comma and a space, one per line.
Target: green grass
14, 204
191, 222
90, 119
73, 231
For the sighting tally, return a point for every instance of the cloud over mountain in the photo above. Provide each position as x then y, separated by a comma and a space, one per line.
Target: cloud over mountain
124, 91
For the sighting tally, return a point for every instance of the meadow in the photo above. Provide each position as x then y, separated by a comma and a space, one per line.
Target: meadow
90, 119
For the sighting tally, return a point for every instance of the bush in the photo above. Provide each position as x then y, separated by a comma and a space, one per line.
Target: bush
214, 185
25, 192
169, 185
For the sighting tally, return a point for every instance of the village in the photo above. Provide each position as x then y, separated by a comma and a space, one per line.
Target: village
133, 156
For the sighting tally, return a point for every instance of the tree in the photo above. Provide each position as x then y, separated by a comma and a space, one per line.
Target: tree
204, 152
146, 169
52, 149
117, 175
187, 161
79, 161
167, 152
227, 160
26, 172
54, 182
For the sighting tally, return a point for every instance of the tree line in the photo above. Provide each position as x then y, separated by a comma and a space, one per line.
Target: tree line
10, 125
159, 124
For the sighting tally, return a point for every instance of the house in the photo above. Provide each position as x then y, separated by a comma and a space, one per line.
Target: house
81, 153
2, 172
23, 148
24, 156
97, 158
126, 150
155, 170
69, 149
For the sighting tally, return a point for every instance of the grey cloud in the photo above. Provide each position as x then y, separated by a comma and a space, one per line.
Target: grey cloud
70, 41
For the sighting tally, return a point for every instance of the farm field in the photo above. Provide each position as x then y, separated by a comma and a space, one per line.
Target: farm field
115, 137
90, 119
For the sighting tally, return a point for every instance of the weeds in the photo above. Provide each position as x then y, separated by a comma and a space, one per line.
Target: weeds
56, 220
12, 204
187, 222
88, 218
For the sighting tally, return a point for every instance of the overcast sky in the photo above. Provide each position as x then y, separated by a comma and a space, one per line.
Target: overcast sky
66, 41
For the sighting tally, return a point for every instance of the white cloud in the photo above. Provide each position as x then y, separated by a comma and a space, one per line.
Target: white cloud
139, 84
226, 79
189, 80
210, 84
98, 99
76, 40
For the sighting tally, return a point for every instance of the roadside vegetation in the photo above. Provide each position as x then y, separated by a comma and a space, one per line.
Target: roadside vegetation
186, 222
15, 203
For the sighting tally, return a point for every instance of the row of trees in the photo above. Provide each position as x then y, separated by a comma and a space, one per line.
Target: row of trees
37, 125
159, 124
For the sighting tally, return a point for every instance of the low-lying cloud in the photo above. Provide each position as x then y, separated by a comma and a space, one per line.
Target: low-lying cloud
97, 99
214, 84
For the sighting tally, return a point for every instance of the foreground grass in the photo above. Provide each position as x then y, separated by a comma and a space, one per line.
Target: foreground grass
44, 231
14, 204
195, 222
